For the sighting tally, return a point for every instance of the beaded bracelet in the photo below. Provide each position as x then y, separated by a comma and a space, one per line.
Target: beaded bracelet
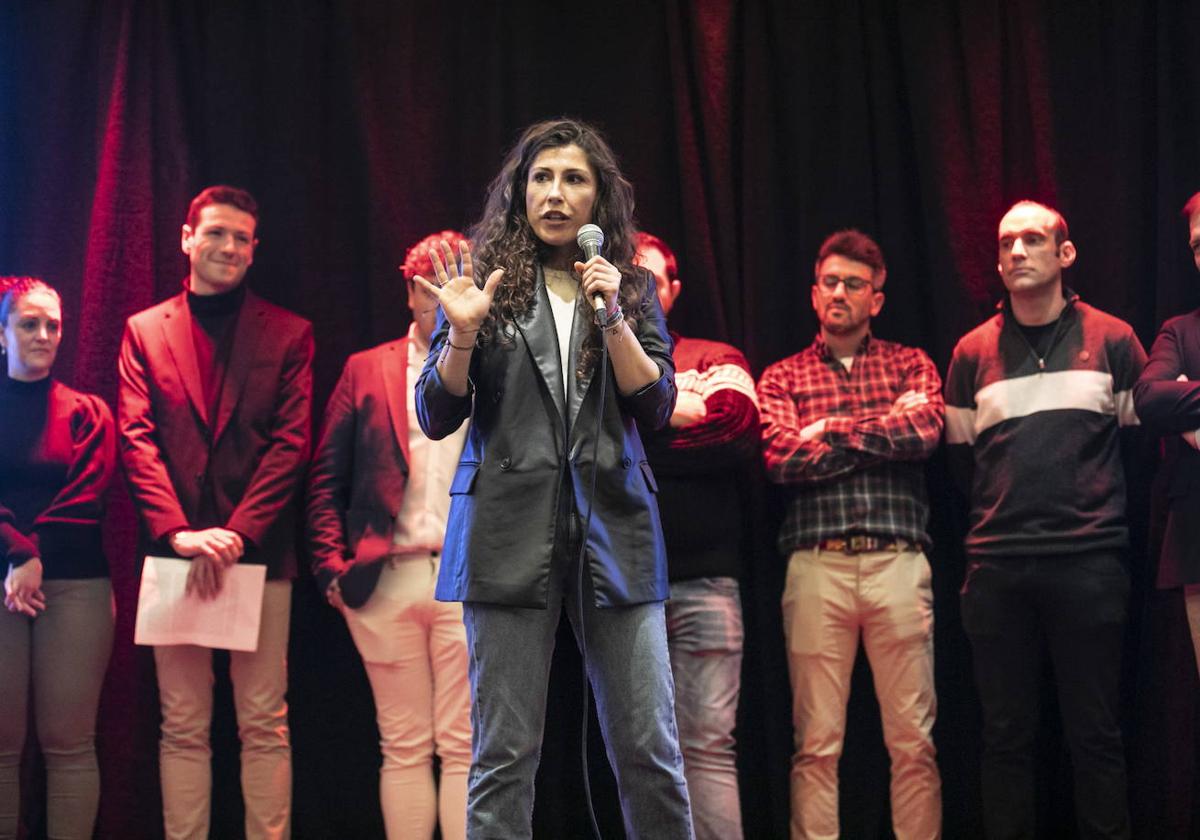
613, 328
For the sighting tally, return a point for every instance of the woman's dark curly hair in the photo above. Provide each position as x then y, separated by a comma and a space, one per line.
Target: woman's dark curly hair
503, 238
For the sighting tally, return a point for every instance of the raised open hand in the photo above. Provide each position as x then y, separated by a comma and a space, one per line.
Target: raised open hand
463, 301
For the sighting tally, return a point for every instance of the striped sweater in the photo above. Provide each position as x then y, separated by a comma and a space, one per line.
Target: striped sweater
702, 468
1034, 441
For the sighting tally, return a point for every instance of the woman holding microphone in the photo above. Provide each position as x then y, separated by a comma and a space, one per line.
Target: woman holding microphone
552, 504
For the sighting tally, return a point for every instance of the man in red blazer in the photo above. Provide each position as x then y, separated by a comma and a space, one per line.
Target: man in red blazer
1167, 399
379, 496
214, 413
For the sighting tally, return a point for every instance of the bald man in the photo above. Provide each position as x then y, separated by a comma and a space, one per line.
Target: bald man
1035, 398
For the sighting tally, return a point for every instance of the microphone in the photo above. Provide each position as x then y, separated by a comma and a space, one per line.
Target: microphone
591, 239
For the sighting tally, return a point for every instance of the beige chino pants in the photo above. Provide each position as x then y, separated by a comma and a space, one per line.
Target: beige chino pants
414, 649
829, 598
185, 688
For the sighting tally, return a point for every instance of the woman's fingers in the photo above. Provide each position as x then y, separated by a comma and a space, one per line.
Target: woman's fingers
436, 291
493, 281
599, 277
16, 603
468, 266
439, 268
451, 266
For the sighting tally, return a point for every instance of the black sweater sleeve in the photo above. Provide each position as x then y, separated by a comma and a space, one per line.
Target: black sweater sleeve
16, 546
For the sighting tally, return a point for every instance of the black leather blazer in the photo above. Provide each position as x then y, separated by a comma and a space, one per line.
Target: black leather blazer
527, 440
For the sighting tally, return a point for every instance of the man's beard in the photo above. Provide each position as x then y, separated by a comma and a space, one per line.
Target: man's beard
840, 327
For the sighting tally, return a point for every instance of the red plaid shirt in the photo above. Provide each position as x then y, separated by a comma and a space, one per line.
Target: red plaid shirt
865, 476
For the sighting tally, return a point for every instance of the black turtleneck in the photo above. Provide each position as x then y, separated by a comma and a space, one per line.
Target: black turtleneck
213, 319
57, 455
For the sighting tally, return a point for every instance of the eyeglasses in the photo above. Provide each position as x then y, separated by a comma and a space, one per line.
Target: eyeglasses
829, 283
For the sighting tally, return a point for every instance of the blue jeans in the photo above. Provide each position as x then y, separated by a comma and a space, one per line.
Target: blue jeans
704, 632
629, 669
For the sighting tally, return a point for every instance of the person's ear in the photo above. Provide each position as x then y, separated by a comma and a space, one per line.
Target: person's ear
1067, 253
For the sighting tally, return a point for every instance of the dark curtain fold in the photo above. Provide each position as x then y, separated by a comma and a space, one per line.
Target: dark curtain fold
751, 130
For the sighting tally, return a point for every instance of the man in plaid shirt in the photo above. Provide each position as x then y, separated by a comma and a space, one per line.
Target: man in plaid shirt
847, 423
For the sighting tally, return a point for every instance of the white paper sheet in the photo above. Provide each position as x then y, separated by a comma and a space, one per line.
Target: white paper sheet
168, 616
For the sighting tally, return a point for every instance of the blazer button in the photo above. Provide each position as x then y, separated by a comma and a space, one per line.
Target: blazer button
505, 462
626, 462
497, 395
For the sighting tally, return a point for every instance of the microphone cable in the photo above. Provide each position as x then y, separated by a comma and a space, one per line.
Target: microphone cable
583, 539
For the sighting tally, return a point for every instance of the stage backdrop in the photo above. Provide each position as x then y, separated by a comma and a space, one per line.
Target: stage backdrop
750, 130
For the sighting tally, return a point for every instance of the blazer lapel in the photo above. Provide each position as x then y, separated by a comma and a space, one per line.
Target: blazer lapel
394, 373
542, 341
177, 334
250, 327
579, 329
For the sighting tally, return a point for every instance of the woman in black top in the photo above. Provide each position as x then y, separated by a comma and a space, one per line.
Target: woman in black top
57, 454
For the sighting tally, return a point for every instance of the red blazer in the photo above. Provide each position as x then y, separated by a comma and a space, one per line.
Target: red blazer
359, 471
250, 458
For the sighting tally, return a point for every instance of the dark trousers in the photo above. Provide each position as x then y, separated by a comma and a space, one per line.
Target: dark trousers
1072, 607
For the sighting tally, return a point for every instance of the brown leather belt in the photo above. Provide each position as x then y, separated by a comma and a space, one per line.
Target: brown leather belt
860, 543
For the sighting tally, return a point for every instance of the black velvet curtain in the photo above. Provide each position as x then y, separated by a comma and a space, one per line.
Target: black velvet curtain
750, 130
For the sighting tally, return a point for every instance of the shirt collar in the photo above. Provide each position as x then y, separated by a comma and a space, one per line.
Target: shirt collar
1004, 305
823, 352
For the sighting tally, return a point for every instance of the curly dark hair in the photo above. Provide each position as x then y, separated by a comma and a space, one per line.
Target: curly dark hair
503, 238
